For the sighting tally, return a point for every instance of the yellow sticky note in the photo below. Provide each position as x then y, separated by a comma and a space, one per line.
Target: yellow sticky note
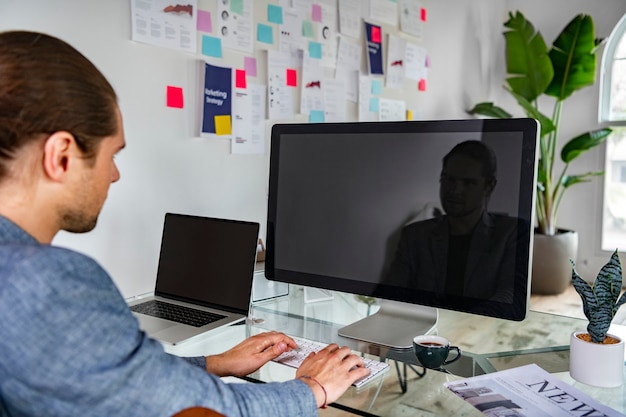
409, 115
222, 125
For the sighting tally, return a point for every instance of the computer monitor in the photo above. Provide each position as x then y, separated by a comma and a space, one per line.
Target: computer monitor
422, 215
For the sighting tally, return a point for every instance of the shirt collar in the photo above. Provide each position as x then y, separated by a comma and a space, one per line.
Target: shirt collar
12, 233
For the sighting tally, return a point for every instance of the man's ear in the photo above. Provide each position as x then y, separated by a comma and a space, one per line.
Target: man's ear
491, 185
58, 151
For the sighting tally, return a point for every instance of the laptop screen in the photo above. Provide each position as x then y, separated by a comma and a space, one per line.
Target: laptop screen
207, 261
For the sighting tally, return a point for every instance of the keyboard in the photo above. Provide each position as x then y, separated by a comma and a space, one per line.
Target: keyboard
174, 312
294, 359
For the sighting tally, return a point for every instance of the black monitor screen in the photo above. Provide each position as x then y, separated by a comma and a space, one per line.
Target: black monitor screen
437, 213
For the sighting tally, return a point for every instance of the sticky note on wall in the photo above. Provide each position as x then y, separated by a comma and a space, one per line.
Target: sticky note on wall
204, 21
292, 77
249, 65
211, 46
376, 36
315, 50
264, 33
274, 14
222, 125
240, 78
316, 116
174, 97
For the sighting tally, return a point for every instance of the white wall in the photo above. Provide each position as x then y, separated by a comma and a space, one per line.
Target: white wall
166, 167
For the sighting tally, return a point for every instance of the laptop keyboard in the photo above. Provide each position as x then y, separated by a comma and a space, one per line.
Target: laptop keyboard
174, 312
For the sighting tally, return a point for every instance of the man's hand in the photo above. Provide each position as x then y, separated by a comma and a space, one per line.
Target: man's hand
332, 368
249, 355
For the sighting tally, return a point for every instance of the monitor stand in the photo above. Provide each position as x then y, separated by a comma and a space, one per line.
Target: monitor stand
394, 325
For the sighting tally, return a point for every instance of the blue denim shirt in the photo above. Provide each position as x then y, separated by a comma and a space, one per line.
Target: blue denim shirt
69, 346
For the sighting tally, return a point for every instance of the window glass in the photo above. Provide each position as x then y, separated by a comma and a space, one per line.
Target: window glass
614, 213
618, 88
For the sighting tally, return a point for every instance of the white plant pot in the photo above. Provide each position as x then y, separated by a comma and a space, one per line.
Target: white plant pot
596, 364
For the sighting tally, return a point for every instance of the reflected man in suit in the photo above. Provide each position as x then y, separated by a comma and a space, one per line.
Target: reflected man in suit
466, 252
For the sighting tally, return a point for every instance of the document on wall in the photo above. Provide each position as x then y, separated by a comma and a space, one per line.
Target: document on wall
249, 120
350, 15
412, 17
216, 100
391, 110
374, 47
280, 96
335, 100
290, 38
527, 391
384, 11
416, 60
396, 57
234, 22
312, 94
348, 55
369, 98
166, 24
350, 81
327, 32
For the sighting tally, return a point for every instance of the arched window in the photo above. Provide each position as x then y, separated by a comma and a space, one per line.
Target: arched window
613, 76
612, 112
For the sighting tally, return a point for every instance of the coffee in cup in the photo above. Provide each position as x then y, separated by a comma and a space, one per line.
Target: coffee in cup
433, 351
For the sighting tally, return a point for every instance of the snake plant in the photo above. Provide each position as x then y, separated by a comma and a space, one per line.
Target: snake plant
600, 302
535, 72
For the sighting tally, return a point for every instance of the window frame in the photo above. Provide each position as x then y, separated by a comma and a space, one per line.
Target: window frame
618, 34
606, 74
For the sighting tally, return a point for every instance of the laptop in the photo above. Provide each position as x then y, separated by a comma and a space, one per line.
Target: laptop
204, 277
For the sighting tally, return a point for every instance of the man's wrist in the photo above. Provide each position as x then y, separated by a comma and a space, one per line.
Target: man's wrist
321, 396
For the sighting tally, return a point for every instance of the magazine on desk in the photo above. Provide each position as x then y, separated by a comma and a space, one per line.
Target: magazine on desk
528, 391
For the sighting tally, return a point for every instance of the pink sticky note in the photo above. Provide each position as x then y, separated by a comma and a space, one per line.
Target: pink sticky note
423, 14
376, 34
249, 65
316, 13
292, 77
240, 78
421, 85
204, 21
174, 97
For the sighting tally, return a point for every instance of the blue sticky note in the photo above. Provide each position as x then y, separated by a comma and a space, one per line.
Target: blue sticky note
374, 104
315, 50
316, 116
211, 46
264, 33
274, 14
377, 87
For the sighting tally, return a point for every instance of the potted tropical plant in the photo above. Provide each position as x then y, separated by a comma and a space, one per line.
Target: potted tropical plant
552, 75
597, 357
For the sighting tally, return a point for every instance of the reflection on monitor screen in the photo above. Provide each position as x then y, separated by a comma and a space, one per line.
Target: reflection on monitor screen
434, 214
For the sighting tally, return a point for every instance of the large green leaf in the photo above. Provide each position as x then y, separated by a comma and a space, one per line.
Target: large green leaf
572, 149
490, 110
573, 58
569, 180
545, 122
527, 59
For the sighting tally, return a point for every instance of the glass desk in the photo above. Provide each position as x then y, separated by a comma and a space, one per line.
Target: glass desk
488, 345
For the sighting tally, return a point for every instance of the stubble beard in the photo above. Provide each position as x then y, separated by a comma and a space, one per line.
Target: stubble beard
76, 221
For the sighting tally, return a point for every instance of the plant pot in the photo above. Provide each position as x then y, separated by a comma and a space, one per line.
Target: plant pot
552, 271
600, 365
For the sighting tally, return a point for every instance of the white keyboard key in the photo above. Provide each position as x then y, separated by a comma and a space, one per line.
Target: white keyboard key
294, 359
